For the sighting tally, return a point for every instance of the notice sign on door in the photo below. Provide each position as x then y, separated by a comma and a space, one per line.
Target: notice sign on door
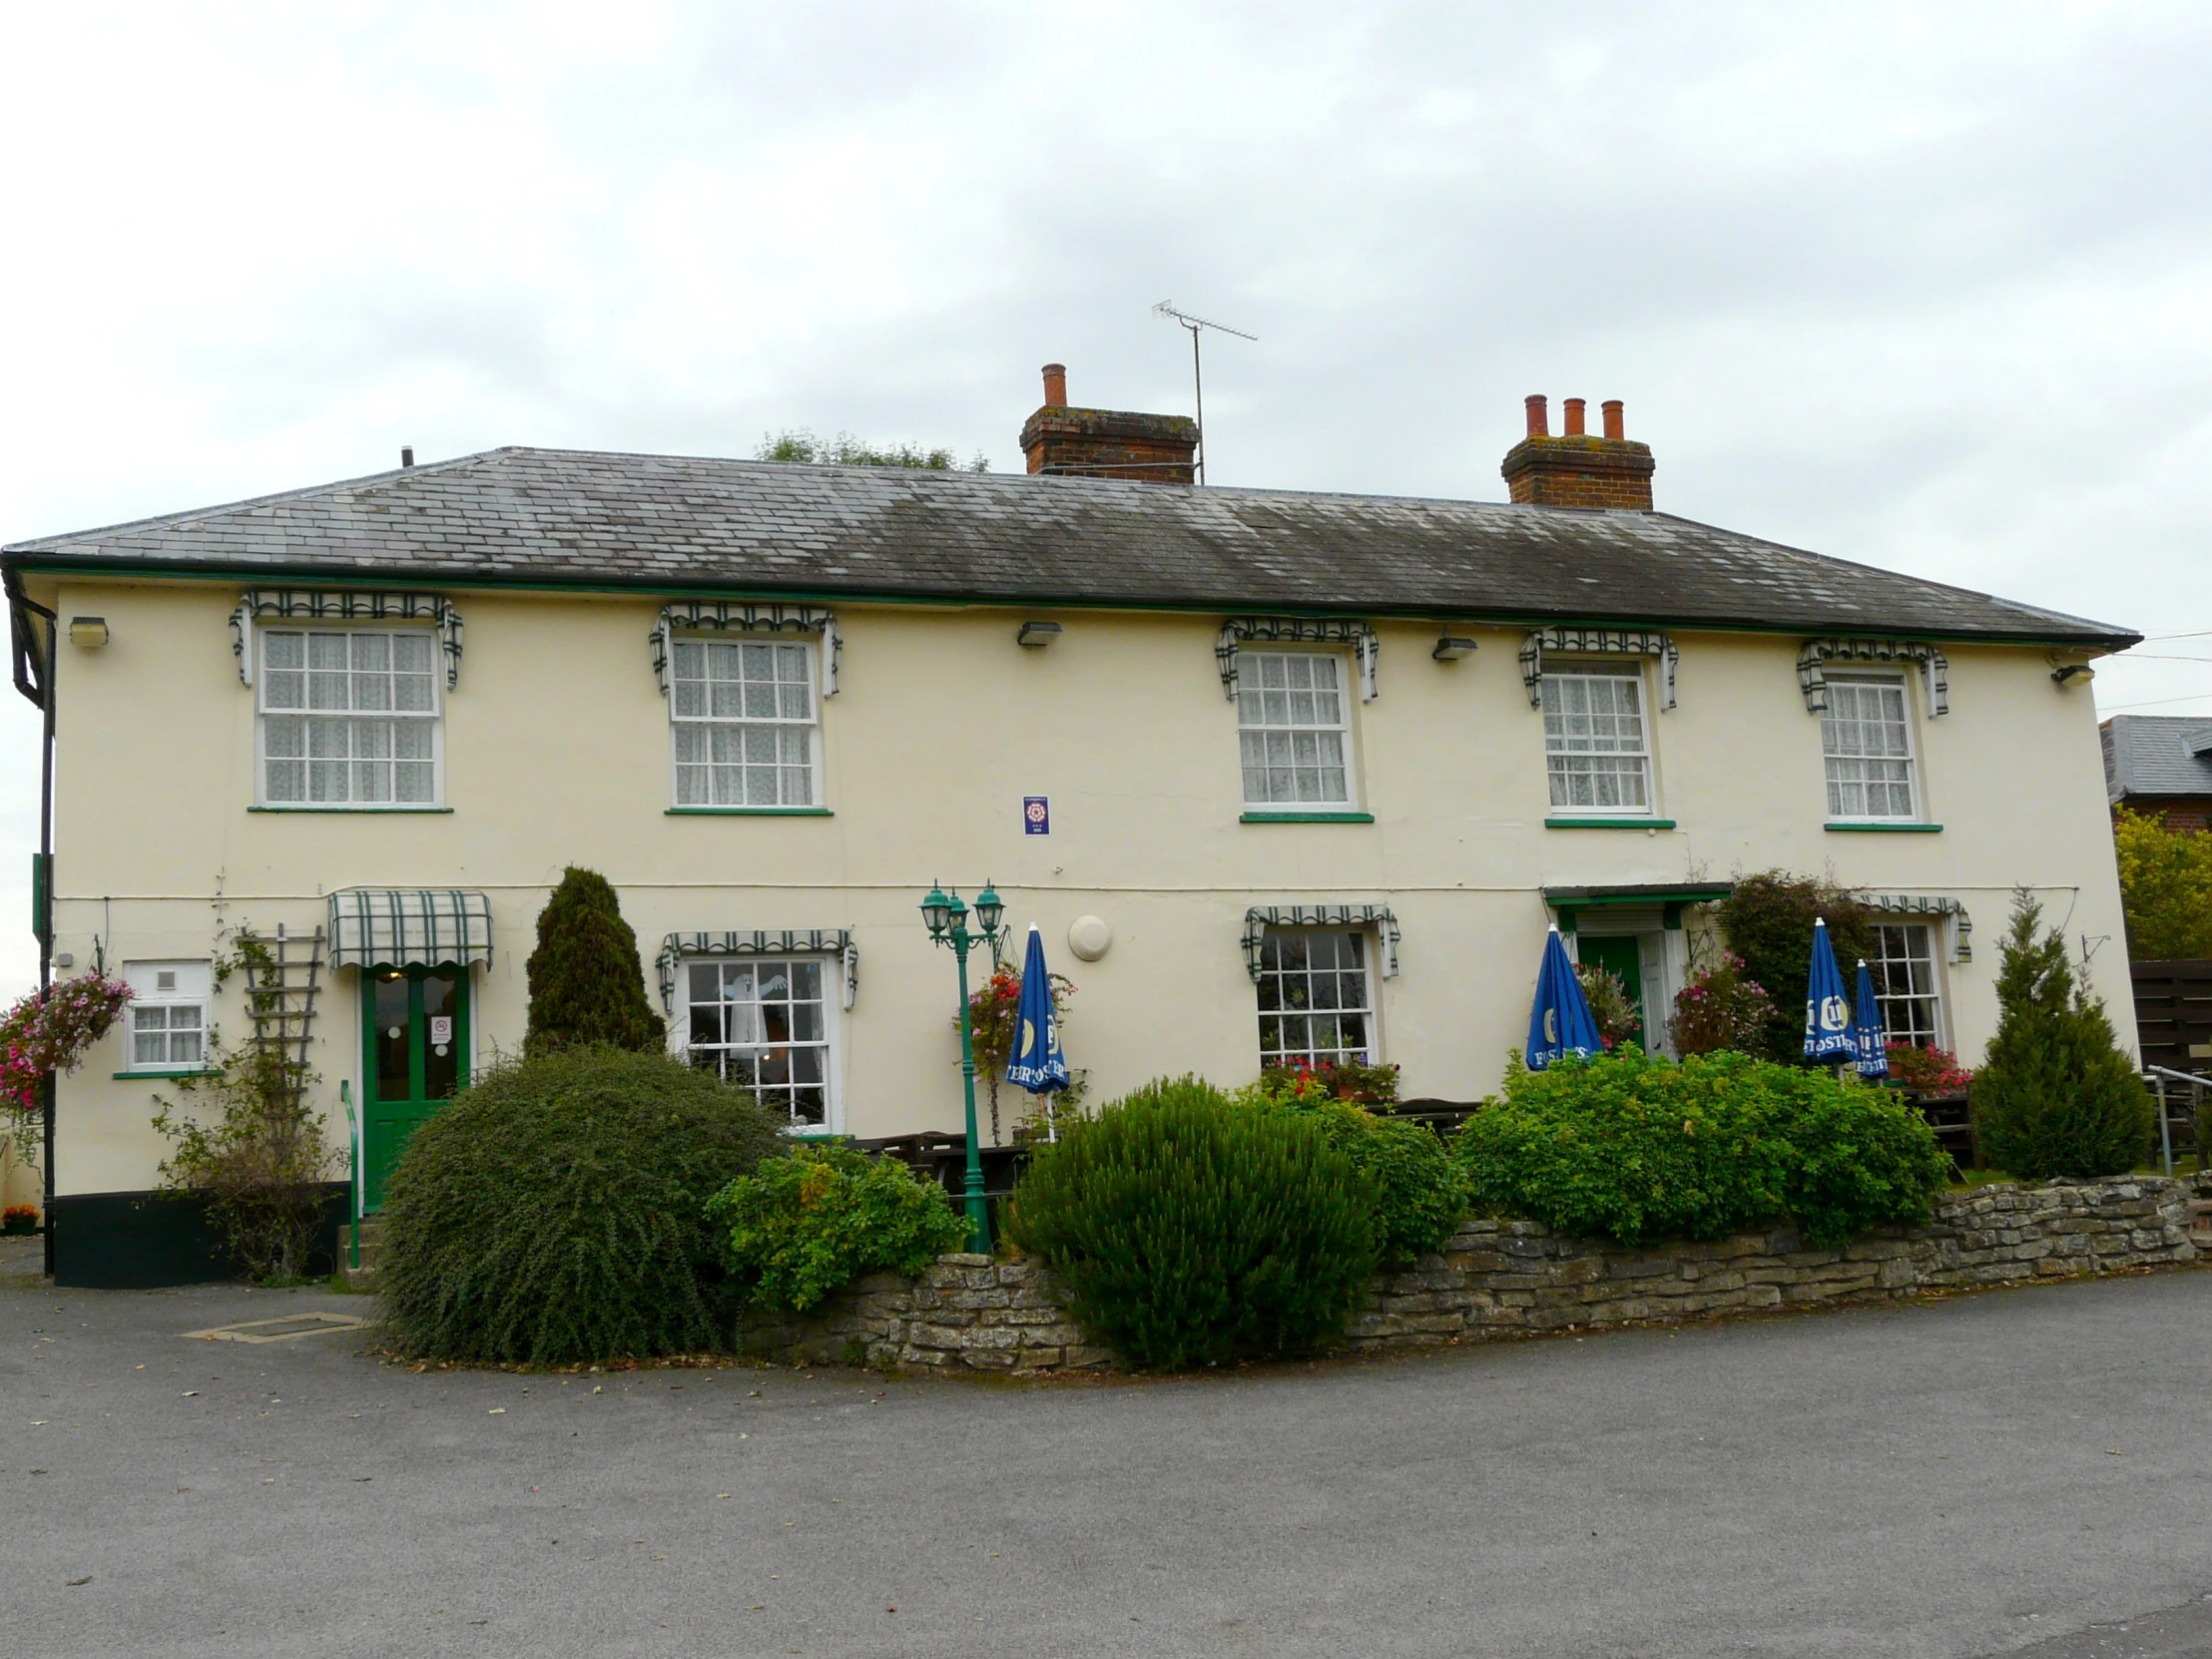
442, 1030
1036, 816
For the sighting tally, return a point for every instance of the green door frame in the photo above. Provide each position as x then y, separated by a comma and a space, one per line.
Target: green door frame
388, 1119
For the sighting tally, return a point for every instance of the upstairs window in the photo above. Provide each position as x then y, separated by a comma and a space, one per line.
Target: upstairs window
745, 723
1316, 1002
1597, 748
763, 1022
348, 717
1293, 729
169, 1015
1866, 742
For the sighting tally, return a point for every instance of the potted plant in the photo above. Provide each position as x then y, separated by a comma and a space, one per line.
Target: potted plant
18, 1219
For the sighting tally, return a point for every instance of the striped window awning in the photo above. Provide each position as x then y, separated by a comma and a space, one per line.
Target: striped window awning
1943, 909
1813, 660
410, 927
692, 616
1324, 630
677, 948
1261, 917
346, 605
1597, 642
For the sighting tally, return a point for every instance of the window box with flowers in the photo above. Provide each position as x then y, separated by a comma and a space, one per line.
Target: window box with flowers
18, 1219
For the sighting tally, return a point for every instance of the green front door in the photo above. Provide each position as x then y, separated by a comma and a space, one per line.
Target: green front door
414, 1049
1623, 959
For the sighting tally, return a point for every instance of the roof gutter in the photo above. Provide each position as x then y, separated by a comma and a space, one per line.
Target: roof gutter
55, 564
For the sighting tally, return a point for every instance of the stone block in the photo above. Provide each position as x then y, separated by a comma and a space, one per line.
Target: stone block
968, 1300
1086, 1359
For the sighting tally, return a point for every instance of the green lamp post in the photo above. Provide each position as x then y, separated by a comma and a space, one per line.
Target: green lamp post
947, 919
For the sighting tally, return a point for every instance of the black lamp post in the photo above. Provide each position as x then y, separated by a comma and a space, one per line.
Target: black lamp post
947, 919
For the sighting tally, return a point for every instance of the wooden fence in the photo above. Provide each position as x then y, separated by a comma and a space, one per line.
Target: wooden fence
2173, 1013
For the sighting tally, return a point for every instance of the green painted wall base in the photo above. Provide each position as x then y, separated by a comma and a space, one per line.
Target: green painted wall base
146, 1239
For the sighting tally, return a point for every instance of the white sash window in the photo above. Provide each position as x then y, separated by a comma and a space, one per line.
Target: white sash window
1596, 747
764, 1022
1293, 729
746, 723
349, 717
1866, 742
1316, 1001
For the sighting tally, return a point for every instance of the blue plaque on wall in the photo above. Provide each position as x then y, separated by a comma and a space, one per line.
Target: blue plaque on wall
1036, 816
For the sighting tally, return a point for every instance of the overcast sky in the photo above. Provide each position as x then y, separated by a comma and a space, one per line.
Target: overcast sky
1922, 287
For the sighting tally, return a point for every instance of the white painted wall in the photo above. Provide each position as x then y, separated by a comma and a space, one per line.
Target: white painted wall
557, 752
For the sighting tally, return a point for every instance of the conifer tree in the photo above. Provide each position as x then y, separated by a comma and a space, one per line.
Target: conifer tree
2056, 1095
586, 983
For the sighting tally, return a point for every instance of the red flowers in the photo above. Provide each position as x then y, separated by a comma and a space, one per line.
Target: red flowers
51, 1030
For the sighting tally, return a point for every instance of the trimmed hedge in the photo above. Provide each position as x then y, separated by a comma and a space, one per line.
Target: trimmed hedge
1190, 1229
555, 1213
1634, 1148
798, 1228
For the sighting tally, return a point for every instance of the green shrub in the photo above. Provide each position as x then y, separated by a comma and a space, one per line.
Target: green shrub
2055, 1096
1768, 921
802, 1227
1190, 1229
587, 982
555, 1213
1419, 1191
1635, 1148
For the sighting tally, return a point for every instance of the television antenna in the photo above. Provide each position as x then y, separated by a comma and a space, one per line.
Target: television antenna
1166, 309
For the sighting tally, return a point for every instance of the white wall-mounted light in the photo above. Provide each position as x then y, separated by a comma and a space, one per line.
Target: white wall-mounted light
1451, 648
89, 632
1036, 636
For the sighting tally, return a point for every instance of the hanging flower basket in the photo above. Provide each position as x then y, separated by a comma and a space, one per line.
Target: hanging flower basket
53, 1029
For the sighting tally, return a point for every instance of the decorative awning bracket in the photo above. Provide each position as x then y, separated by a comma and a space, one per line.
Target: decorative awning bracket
818, 941
701, 615
346, 605
1261, 917
1360, 636
1597, 642
1813, 660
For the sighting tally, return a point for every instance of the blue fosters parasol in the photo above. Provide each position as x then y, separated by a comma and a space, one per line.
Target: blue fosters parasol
1561, 1022
1827, 1032
1874, 1042
1037, 1064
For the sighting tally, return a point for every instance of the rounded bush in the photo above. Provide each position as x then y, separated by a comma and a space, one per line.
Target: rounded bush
1419, 1191
798, 1228
1635, 1147
1190, 1231
555, 1213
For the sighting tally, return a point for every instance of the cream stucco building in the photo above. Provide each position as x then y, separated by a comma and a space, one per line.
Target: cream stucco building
1301, 773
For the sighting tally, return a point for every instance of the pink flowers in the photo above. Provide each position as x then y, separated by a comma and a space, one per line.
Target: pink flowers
52, 1030
1927, 1071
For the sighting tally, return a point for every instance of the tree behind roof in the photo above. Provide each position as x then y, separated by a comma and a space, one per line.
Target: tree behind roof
2165, 887
586, 983
2056, 1095
796, 443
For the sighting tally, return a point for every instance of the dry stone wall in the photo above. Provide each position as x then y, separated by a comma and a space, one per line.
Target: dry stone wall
1507, 1277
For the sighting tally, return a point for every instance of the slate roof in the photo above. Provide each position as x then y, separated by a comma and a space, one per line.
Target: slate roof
665, 522
2153, 757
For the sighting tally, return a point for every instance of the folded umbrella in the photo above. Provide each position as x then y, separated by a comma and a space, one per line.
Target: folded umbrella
1560, 1023
1874, 1042
1037, 1063
1827, 1032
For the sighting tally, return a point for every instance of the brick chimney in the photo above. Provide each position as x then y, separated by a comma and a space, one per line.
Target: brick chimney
1575, 469
1106, 443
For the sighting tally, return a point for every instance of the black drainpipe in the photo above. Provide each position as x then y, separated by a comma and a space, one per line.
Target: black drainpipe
39, 687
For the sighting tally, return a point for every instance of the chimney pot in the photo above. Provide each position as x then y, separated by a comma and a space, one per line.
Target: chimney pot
1055, 385
1575, 406
406, 455
1616, 427
1539, 418
1107, 443
1575, 469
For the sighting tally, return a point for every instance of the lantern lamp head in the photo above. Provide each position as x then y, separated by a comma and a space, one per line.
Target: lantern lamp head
936, 910
990, 908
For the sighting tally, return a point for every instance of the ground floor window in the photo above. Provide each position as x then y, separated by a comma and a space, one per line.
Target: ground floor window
1316, 998
763, 1022
169, 1013
1904, 983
